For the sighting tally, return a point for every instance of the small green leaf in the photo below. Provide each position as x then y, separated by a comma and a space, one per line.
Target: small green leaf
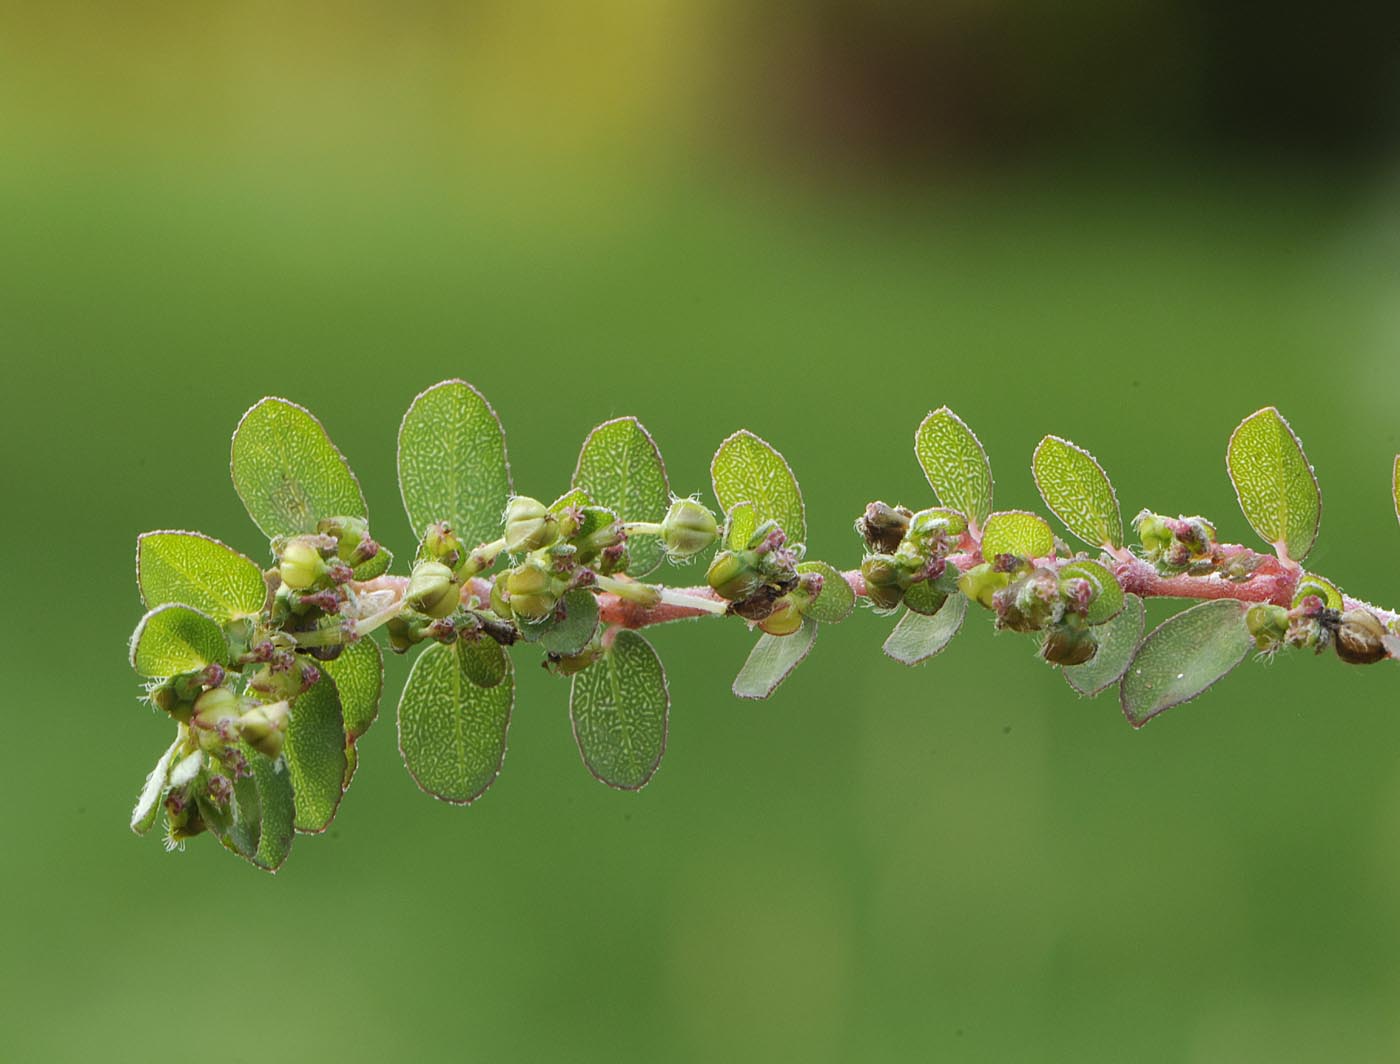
1275, 484
1026, 535
1182, 657
172, 639
740, 525
452, 733
452, 463
288, 472
1078, 492
620, 467
917, 637
484, 661
276, 810
359, 680
1118, 640
571, 498
955, 464
376, 566
926, 597
772, 659
1312, 584
749, 469
836, 600
148, 804
315, 753
1108, 597
198, 571
575, 630
619, 708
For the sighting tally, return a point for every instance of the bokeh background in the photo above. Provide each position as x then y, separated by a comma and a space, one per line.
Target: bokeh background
1130, 223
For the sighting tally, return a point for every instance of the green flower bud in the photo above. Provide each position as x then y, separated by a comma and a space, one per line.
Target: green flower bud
1030, 603
687, 529
441, 544
264, 727
353, 544
1267, 624
982, 582
301, 565
167, 698
883, 526
1358, 638
733, 575
533, 591
882, 574
433, 590
216, 709
500, 601
785, 619
569, 664
1152, 530
529, 526
939, 520
182, 818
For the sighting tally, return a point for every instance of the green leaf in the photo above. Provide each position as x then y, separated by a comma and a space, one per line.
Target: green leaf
1182, 657
836, 600
148, 804
748, 469
575, 630
620, 467
198, 571
917, 637
1118, 640
1275, 484
740, 525
315, 753
1026, 535
1108, 598
172, 639
288, 472
452, 463
376, 566
573, 497
956, 464
772, 659
926, 597
452, 733
1312, 584
276, 810
358, 674
619, 708
484, 661
1078, 492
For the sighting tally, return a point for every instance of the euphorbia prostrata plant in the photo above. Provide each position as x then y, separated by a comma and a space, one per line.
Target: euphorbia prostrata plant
271, 673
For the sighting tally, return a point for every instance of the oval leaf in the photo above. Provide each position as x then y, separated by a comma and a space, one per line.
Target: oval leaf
198, 571
918, 637
619, 708
276, 810
1118, 640
1275, 484
315, 753
955, 464
575, 630
748, 469
620, 467
1078, 492
772, 659
172, 639
1108, 597
1026, 535
452, 463
358, 674
148, 804
836, 600
484, 661
1182, 657
452, 733
288, 472
740, 525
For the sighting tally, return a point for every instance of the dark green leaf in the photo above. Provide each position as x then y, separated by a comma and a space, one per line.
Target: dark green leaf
359, 680
172, 639
315, 753
620, 467
452, 733
749, 469
1077, 490
288, 472
772, 659
198, 571
955, 464
575, 630
452, 463
1182, 657
619, 708
836, 600
1275, 484
917, 637
276, 810
1118, 640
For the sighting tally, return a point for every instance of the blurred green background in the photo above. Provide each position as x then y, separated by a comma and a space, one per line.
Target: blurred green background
1131, 224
